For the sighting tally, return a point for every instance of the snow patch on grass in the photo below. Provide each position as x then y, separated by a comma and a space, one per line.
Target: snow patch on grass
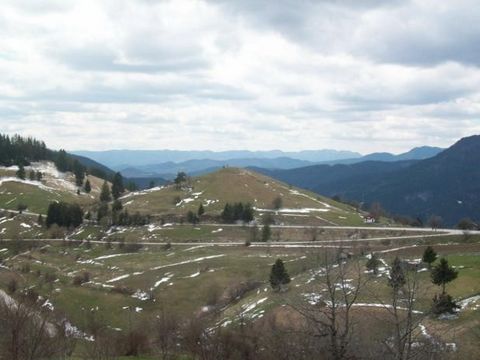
118, 278
165, 279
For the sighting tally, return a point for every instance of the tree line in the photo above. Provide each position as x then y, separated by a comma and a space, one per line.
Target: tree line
237, 212
21, 151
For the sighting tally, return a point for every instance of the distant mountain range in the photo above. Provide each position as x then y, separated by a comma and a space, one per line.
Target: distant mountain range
199, 167
136, 164
447, 184
120, 159
418, 153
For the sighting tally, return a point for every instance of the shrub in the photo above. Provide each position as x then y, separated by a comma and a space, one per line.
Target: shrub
132, 247
50, 277
124, 290
12, 286
444, 303
81, 278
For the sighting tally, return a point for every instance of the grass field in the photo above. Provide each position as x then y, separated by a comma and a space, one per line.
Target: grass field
128, 287
37, 195
234, 185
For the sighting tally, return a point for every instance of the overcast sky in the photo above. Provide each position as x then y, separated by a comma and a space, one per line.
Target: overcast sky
369, 75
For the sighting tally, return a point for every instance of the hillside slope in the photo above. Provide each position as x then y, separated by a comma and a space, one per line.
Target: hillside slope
330, 178
37, 195
447, 184
239, 185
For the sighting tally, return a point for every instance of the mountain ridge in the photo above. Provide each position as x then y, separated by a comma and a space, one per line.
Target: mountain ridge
446, 184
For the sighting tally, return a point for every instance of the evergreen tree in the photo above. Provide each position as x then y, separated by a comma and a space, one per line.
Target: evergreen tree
227, 213
31, 175
131, 186
429, 256
278, 275
63, 214
266, 233
87, 186
192, 217
117, 186
21, 172
373, 263
253, 234
442, 274
181, 178
38, 176
102, 211
397, 276
201, 210
79, 172
105, 195
277, 203
248, 213
117, 206
237, 211
40, 220
151, 185
61, 162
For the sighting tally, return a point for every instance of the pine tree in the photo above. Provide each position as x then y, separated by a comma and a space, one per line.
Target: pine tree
87, 186
397, 276
79, 172
192, 217
429, 256
248, 213
278, 275
117, 206
31, 175
227, 213
105, 195
201, 210
21, 172
117, 186
131, 186
238, 211
102, 211
277, 203
442, 274
63, 214
266, 233
61, 162
373, 263
181, 178
38, 176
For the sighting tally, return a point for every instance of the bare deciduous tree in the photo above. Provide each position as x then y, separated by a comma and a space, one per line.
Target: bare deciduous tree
329, 313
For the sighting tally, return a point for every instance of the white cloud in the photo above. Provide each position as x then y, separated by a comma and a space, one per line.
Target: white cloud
191, 74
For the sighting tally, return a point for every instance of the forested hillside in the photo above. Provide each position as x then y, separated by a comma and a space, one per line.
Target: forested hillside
18, 150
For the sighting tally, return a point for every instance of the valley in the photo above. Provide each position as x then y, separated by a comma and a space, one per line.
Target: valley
211, 272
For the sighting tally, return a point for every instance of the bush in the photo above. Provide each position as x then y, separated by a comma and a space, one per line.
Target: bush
132, 247
124, 290
12, 286
21, 207
25, 268
81, 278
444, 303
50, 277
